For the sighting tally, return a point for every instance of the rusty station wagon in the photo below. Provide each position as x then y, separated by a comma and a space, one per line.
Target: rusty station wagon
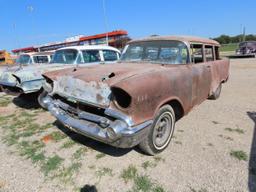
138, 100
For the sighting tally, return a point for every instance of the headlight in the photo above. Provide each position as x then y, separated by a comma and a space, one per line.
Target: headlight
47, 87
121, 97
32, 85
48, 84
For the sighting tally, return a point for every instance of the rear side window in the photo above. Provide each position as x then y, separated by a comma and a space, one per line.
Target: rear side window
217, 53
208, 51
109, 55
91, 56
197, 53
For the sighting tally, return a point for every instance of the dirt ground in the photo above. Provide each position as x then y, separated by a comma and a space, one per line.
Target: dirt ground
213, 149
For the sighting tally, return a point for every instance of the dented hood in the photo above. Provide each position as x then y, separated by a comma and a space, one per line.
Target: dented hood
109, 74
93, 84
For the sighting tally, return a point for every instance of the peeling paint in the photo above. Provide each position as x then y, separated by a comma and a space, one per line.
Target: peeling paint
91, 92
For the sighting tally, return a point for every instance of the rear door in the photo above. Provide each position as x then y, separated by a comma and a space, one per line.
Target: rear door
201, 73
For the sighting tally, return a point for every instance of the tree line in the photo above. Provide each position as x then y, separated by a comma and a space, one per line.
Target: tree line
226, 39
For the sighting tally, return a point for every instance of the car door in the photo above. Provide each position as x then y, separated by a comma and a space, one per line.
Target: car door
201, 74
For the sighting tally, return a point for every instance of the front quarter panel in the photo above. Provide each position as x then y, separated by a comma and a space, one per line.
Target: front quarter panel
150, 91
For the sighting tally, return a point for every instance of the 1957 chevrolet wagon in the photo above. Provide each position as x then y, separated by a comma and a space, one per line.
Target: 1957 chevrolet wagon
28, 78
138, 100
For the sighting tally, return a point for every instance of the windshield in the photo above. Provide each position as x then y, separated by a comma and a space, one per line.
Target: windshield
167, 52
65, 56
24, 59
41, 59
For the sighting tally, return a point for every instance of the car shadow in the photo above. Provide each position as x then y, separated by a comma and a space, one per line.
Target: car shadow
252, 160
26, 101
88, 188
88, 142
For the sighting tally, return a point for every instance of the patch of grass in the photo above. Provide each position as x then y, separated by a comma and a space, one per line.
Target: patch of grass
66, 174
200, 190
31, 150
226, 137
68, 144
158, 159
148, 164
142, 183
129, 174
5, 101
158, 189
100, 155
240, 155
228, 47
51, 164
79, 153
57, 136
103, 172
240, 131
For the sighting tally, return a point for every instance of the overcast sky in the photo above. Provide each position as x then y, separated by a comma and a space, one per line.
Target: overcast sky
26, 23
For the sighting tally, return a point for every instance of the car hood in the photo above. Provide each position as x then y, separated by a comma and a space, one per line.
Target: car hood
109, 74
29, 73
93, 84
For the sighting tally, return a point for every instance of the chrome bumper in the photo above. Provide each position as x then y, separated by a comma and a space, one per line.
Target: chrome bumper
119, 133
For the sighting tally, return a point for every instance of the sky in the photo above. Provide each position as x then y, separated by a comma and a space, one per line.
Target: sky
25, 23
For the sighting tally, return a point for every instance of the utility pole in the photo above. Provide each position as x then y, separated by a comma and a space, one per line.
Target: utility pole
105, 19
244, 34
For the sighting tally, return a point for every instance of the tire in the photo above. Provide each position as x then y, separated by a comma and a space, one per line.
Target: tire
160, 133
216, 93
39, 99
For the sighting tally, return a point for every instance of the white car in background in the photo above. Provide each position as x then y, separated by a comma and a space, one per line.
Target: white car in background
27, 78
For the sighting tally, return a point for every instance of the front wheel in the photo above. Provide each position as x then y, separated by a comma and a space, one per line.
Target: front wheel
40, 97
160, 133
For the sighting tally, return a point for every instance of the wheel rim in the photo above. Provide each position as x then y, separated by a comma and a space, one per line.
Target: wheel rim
163, 130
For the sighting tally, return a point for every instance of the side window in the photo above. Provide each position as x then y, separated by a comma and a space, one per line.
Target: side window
91, 56
217, 53
197, 53
109, 55
208, 51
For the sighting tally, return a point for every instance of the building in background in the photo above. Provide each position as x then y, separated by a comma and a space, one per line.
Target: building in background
116, 39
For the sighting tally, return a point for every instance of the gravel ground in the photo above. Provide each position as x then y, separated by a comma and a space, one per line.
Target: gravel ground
198, 159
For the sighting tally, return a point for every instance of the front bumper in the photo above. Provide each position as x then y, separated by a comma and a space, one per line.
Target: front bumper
118, 132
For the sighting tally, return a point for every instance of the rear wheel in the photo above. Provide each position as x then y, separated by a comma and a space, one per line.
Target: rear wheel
160, 132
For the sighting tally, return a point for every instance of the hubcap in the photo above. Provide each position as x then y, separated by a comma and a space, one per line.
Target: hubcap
163, 130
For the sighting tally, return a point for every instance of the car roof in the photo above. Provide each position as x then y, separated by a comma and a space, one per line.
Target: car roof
188, 39
91, 47
37, 53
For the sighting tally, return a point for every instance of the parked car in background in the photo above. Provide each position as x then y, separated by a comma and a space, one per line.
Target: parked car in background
138, 100
28, 78
247, 48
